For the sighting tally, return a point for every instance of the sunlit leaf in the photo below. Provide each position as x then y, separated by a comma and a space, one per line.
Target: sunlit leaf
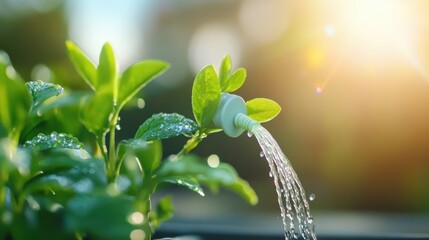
163, 125
138, 75
205, 96
222, 176
83, 64
107, 71
235, 81
225, 69
262, 109
40, 91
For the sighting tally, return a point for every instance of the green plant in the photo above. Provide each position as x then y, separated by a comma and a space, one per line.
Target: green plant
93, 187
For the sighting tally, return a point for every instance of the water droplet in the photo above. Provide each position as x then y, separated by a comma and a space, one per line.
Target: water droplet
312, 197
118, 127
249, 134
39, 113
261, 154
270, 174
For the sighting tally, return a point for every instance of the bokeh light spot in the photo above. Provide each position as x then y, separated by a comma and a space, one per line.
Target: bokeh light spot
210, 43
213, 161
137, 234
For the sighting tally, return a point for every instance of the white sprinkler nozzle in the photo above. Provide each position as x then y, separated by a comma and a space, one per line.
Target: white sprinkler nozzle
232, 116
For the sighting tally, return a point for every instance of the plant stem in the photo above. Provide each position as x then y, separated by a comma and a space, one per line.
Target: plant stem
111, 174
101, 142
192, 143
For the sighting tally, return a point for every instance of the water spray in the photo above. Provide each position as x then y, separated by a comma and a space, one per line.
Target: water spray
295, 211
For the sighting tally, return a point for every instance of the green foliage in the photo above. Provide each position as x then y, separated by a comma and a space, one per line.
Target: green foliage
162, 126
14, 99
149, 154
96, 113
262, 109
82, 185
192, 167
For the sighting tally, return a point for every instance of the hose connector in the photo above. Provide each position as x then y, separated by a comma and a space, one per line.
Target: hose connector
245, 122
232, 116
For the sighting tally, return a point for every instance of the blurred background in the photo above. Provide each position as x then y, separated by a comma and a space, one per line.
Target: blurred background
352, 77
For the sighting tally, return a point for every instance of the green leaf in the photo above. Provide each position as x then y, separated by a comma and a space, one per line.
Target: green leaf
15, 100
62, 172
137, 76
52, 141
149, 154
96, 112
225, 70
223, 175
262, 109
83, 64
40, 91
65, 100
107, 71
100, 216
188, 182
164, 211
163, 125
235, 81
205, 96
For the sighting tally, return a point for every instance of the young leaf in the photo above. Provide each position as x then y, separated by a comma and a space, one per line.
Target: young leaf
135, 77
52, 141
235, 81
40, 91
83, 64
222, 176
164, 211
163, 125
225, 69
107, 71
96, 111
262, 109
205, 96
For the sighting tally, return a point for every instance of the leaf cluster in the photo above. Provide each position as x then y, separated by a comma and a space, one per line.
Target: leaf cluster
83, 185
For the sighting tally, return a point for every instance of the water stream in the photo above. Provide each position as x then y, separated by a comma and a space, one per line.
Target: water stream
294, 207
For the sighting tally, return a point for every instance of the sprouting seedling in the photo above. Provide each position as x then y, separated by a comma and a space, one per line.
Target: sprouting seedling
112, 91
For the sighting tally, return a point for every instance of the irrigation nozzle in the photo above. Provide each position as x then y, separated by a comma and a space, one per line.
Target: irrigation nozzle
232, 116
